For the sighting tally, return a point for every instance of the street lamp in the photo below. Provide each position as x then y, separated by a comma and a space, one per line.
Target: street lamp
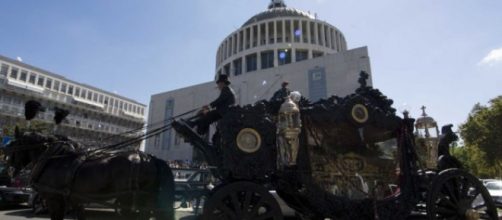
427, 138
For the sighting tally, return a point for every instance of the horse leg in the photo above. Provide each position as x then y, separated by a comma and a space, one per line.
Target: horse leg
79, 211
165, 194
56, 207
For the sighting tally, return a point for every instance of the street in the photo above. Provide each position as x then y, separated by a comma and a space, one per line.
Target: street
24, 212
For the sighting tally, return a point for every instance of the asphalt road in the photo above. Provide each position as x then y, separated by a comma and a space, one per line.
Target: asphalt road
23, 213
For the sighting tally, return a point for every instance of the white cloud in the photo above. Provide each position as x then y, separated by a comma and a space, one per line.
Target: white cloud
493, 57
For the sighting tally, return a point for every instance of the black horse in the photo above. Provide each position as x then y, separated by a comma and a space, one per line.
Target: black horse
141, 185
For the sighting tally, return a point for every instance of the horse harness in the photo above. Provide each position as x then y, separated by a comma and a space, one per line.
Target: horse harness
53, 152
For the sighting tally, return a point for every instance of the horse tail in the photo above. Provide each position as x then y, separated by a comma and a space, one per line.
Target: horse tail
165, 196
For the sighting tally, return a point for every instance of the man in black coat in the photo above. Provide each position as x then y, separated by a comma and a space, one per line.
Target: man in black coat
282, 93
220, 106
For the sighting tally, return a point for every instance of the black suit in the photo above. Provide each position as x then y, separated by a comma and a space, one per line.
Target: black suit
225, 100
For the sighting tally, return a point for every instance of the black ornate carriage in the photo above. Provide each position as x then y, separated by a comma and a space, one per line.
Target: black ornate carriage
354, 159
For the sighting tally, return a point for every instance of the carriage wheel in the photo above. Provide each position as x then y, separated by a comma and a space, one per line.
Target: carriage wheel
242, 201
457, 194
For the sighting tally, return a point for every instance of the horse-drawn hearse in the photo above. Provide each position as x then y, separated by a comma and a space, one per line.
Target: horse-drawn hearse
347, 157
339, 158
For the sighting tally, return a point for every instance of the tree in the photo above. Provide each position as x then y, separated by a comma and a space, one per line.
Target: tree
482, 135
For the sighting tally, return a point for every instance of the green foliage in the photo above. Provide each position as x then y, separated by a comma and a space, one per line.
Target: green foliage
37, 126
482, 135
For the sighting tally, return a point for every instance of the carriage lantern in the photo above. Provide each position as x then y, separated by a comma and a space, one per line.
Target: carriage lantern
427, 134
288, 130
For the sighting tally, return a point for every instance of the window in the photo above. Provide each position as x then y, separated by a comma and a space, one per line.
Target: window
251, 62
106, 100
77, 91
56, 85
40, 81
63, 87
280, 35
121, 105
263, 36
95, 97
4, 70
33, 78
226, 69
255, 36
271, 39
297, 31
238, 67
317, 54
284, 56
304, 27
82, 94
89, 95
48, 83
100, 98
13, 72
312, 33
70, 90
302, 55
24, 75
267, 59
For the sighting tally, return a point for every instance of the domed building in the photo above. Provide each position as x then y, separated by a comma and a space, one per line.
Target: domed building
276, 45
274, 37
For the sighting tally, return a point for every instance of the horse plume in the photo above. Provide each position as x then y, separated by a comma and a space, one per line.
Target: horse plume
31, 109
60, 114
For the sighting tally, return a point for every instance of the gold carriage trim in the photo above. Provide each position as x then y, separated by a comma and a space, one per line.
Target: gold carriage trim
248, 140
360, 113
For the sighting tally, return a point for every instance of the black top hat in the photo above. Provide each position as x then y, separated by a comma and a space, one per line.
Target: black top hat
223, 78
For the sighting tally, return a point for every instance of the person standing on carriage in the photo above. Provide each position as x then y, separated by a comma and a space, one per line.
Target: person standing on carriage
216, 109
282, 93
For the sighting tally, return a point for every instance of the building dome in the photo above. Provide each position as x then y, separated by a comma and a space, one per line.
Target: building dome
278, 12
274, 37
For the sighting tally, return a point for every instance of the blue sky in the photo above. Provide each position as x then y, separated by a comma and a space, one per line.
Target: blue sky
441, 53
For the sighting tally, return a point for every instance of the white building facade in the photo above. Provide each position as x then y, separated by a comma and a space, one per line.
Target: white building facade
279, 44
95, 114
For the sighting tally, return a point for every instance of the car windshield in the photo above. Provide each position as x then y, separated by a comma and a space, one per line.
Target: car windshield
494, 186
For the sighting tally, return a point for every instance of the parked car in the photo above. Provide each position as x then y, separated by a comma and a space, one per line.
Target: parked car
494, 187
17, 192
4, 175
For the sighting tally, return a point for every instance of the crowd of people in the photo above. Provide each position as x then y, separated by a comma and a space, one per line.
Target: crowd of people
186, 164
